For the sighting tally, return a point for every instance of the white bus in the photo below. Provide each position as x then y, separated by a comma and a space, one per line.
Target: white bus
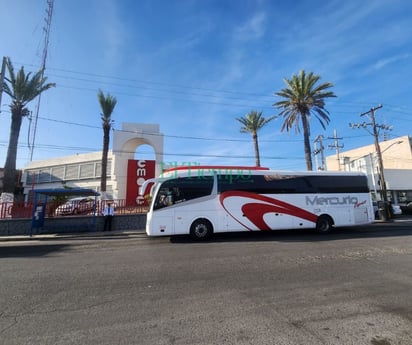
203, 200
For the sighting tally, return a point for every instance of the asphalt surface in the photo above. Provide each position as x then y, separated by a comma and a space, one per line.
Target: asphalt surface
349, 287
81, 234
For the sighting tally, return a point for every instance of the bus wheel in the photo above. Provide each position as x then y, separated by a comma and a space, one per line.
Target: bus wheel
201, 230
324, 224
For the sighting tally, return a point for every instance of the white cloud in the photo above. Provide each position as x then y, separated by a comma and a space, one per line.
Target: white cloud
391, 60
114, 32
254, 28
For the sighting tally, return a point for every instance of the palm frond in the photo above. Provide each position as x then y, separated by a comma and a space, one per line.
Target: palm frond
107, 105
302, 98
253, 121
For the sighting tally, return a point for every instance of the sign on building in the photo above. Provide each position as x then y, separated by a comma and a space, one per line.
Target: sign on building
138, 171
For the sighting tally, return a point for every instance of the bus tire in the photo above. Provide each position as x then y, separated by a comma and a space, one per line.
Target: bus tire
201, 230
324, 224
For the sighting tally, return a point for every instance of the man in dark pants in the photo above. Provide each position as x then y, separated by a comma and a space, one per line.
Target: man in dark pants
108, 214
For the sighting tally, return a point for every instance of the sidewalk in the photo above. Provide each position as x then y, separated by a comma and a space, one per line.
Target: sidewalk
88, 234
399, 220
403, 218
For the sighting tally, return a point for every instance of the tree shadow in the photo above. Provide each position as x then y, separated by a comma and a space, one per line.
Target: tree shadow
34, 250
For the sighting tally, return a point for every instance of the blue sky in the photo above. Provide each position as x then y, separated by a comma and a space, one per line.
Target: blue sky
193, 66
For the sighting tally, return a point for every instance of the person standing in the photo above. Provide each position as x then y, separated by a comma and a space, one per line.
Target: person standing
108, 214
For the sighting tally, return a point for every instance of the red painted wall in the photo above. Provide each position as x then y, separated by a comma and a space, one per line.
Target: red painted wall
138, 171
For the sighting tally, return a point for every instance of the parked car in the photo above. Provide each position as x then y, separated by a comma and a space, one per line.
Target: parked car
394, 210
80, 205
408, 208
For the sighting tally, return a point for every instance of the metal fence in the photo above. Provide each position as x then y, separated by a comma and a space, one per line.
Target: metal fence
25, 209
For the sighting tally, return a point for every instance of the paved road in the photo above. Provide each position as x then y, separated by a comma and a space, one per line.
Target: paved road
349, 287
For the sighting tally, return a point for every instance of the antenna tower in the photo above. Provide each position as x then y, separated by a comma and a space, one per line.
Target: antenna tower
46, 29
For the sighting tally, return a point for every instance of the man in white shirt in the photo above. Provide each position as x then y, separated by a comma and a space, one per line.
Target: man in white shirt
108, 214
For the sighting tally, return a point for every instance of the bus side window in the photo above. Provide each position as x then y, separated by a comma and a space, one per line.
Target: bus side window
177, 195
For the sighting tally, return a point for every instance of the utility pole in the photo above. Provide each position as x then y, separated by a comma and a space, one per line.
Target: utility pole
375, 133
336, 146
2, 76
320, 150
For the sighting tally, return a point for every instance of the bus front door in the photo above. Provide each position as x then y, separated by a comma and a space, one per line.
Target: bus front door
162, 223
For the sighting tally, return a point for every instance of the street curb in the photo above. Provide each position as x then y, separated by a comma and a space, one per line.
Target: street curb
92, 234
399, 221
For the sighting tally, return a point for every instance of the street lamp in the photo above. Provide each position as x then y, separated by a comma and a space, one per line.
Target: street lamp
395, 143
372, 160
380, 163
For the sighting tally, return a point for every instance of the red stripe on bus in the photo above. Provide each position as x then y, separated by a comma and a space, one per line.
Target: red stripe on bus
256, 211
214, 167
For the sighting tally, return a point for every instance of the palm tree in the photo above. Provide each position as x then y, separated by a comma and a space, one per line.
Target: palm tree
107, 104
22, 88
252, 123
302, 99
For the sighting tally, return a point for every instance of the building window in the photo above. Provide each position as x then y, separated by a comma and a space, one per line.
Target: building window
98, 172
99, 169
30, 177
57, 174
44, 176
72, 172
87, 170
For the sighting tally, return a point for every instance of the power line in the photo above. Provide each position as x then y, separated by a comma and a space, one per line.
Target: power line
189, 90
175, 99
215, 95
191, 137
187, 137
154, 83
394, 108
185, 154
182, 136
169, 135
212, 93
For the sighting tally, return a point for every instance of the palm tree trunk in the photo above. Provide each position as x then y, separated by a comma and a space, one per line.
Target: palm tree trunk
106, 139
257, 155
306, 143
9, 181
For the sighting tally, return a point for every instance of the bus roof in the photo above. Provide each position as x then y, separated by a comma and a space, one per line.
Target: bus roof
215, 167
210, 170
249, 170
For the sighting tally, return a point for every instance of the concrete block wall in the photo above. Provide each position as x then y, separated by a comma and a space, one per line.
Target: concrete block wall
59, 225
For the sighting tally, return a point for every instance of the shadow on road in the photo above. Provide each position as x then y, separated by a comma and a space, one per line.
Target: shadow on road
35, 250
300, 235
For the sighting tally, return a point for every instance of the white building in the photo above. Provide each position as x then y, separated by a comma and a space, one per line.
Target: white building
397, 165
84, 170
76, 171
